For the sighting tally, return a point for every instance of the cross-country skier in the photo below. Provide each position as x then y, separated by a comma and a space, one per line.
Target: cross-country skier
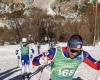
24, 51
65, 60
41, 61
38, 48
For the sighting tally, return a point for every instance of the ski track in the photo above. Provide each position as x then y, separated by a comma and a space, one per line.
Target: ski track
10, 71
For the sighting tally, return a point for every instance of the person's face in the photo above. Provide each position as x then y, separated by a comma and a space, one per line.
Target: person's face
73, 52
24, 43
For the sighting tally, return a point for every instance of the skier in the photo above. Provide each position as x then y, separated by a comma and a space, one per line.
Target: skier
38, 48
65, 60
40, 61
24, 49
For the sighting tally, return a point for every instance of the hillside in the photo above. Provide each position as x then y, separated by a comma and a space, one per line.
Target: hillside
54, 19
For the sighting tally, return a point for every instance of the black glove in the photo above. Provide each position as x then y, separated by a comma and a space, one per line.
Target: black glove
16, 53
98, 62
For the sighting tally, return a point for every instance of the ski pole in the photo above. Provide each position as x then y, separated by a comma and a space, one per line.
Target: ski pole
39, 69
18, 57
98, 62
97, 75
42, 67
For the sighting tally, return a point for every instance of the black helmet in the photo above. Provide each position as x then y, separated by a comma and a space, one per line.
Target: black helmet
75, 41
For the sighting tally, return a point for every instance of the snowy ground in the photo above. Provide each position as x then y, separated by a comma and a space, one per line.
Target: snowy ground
10, 71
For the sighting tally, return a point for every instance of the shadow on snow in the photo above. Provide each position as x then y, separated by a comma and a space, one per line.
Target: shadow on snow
9, 72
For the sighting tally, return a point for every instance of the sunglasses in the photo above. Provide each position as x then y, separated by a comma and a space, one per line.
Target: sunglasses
74, 51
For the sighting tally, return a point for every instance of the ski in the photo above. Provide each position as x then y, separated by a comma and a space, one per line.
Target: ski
38, 70
25, 77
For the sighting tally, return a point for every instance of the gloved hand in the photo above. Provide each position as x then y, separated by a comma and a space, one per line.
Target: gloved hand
98, 62
16, 53
43, 60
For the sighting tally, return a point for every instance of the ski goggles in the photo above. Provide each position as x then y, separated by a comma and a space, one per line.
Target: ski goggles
75, 51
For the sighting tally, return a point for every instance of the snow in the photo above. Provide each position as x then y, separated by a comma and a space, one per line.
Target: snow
10, 71
45, 5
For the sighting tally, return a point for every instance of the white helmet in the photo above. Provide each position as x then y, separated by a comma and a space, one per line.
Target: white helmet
24, 39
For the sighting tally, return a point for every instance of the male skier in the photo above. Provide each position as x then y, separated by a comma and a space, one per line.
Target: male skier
25, 57
65, 60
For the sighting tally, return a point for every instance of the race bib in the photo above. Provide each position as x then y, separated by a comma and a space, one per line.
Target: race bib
65, 72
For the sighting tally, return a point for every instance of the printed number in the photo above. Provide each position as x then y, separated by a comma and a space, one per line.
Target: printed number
65, 72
